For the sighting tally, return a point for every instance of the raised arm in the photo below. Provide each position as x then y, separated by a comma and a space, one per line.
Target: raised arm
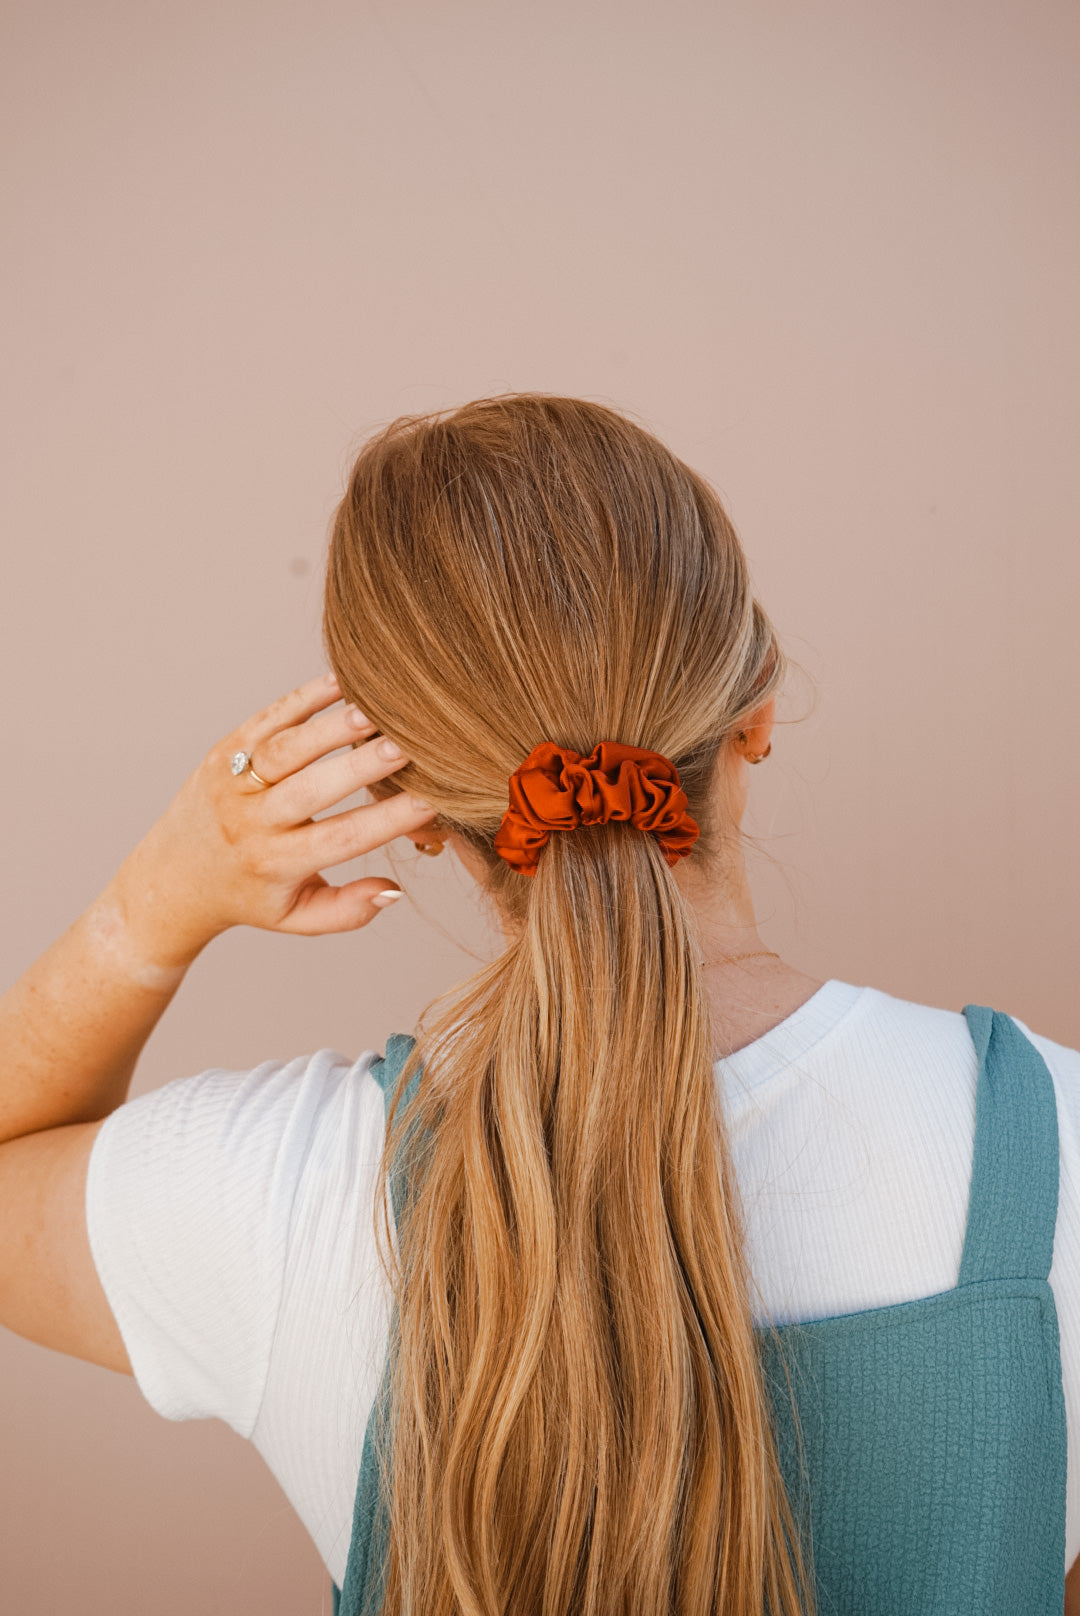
228, 851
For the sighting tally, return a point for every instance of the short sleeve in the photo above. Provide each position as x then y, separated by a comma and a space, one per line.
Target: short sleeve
189, 1199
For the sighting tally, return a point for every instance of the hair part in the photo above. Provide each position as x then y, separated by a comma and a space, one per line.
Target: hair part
579, 1418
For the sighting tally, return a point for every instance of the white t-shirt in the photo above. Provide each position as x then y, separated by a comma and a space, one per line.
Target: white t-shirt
230, 1217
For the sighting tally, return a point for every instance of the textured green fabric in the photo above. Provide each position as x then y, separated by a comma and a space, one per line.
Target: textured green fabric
931, 1475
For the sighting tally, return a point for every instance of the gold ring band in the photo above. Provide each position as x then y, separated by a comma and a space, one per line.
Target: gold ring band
240, 763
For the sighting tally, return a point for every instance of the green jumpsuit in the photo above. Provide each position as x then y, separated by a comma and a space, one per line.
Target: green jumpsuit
930, 1480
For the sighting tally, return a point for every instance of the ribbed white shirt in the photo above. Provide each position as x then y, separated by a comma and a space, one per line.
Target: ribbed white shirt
230, 1219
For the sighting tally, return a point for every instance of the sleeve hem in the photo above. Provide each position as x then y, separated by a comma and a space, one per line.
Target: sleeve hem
144, 1373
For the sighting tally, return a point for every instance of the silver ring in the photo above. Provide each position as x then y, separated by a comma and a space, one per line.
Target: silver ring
240, 762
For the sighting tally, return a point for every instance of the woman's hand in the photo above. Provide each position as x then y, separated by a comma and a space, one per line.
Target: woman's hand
229, 852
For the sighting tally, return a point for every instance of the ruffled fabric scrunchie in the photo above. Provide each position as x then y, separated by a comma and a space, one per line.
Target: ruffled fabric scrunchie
556, 788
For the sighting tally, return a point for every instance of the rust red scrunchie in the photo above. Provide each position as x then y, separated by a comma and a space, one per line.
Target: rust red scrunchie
556, 788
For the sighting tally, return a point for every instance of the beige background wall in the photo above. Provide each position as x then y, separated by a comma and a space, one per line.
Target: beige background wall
827, 250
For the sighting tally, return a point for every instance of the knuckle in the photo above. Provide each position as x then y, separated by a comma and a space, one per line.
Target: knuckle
269, 754
231, 830
353, 834
341, 834
304, 797
257, 860
279, 709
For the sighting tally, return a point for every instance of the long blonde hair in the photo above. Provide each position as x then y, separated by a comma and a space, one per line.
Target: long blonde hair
579, 1417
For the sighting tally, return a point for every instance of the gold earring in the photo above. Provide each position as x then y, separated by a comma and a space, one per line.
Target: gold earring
754, 758
432, 849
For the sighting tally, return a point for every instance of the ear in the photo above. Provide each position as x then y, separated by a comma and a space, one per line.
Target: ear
757, 729
427, 835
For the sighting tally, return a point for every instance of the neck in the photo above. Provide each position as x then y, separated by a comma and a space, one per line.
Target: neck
747, 996
723, 911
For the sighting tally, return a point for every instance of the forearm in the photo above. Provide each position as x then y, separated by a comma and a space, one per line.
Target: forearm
74, 1024
223, 854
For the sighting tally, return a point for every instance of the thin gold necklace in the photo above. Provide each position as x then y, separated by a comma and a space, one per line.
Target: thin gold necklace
758, 954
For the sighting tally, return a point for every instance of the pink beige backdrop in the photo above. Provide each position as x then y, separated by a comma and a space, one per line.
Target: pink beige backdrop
827, 250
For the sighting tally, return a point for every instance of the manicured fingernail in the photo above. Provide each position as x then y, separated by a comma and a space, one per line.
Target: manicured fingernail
357, 719
420, 805
388, 749
385, 899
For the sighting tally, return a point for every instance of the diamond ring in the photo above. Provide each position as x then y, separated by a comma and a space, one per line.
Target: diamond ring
241, 761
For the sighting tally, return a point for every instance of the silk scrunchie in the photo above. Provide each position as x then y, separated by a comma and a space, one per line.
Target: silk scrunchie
556, 788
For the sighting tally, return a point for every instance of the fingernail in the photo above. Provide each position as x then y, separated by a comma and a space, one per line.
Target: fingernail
385, 899
388, 749
357, 719
420, 805
331, 678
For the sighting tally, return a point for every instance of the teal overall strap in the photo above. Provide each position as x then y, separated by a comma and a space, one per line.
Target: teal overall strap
361, 1593
1012, 1206
386, 1072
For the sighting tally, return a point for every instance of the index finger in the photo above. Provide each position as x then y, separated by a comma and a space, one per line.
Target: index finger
299, 705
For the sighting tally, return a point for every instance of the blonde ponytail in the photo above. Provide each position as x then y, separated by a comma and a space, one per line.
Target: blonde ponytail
579, 1423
